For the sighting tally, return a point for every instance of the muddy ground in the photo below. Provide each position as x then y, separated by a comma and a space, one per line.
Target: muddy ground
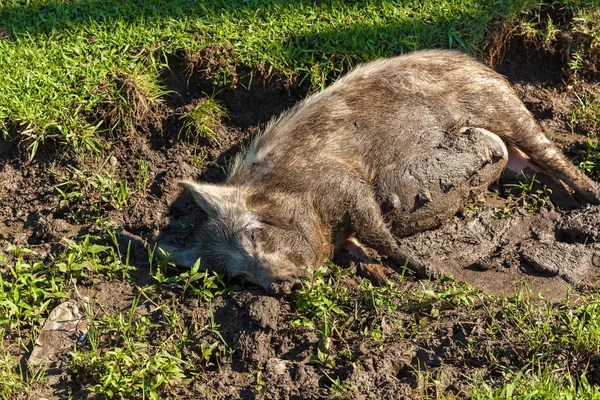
556, 248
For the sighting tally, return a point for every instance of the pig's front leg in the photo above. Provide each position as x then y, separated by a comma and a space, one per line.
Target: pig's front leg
371, 230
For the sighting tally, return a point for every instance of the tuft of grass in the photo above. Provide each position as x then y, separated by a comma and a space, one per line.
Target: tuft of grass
18, 380
536, 382
545, 328
587, 113
198, 157
203, 120
586, 37
133, 100
142, 178
12, 383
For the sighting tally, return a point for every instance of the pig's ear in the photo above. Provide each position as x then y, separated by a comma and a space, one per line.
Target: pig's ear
211, 198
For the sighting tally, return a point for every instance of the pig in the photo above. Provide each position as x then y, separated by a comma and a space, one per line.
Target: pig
395, 147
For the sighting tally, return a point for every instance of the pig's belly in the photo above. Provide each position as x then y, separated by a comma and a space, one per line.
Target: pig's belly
429, 188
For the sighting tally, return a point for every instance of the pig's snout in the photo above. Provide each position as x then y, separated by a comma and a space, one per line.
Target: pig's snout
285, 287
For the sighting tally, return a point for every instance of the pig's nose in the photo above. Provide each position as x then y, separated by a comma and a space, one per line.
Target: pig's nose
292, 285
285, 287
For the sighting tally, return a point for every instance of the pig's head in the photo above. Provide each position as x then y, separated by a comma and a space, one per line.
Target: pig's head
262, 238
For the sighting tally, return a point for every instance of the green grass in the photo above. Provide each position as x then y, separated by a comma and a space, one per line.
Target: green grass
561, 338
538, 383
89, 192
152, 349
203, 119
27, 291
71, 71
12, 382
122, 362
528, 193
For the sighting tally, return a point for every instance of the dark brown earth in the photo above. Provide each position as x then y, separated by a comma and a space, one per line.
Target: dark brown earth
555, 248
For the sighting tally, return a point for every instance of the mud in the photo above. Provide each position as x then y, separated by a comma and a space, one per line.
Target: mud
551, 250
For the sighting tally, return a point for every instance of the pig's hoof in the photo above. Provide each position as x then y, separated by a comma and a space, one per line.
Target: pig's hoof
376, 273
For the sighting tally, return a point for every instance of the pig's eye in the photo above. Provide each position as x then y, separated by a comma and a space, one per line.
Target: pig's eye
255, 235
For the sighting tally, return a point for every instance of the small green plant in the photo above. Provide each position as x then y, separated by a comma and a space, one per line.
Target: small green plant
129, 372
203, 284
587, 113
203, 120
536, 382
324, 298
18, 380
449, 295
259, 383
160, 265
199, 156
533, 200
339, 388
83, 190
383, 299
120, 360
142, 179
84, 259
590, 158
12, 383
27, 290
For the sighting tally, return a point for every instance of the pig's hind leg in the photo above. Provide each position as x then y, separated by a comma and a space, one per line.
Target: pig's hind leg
433, 187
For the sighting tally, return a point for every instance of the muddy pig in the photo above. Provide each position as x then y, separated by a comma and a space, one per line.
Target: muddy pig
395, 147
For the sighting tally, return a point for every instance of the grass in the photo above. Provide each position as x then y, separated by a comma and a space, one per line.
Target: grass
588, 113
527, 194
12, 383
528, 327
545, 332
71, 71
87, 192
203, 120
26, 291
140, 355
539, 383
152, 349
121, 363
124, 354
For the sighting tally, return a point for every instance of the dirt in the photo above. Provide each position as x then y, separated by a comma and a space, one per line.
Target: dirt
554, 249
551, 250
